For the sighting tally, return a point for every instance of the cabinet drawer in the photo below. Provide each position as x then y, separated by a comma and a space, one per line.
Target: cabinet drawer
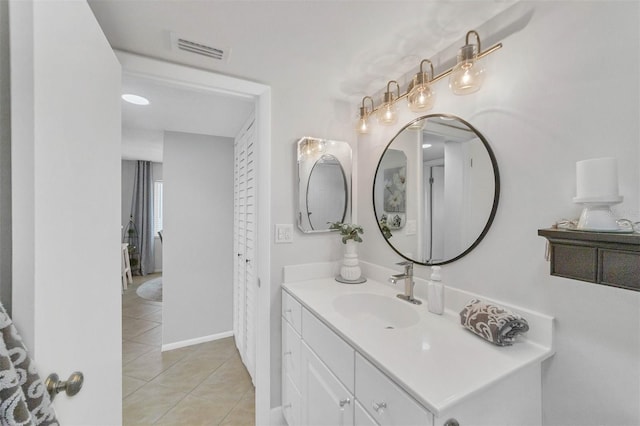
292, 311
291, 402
329, 347
576, 262
387, 403
619, 268
291, 353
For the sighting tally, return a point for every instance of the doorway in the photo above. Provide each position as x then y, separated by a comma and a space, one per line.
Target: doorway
259, 94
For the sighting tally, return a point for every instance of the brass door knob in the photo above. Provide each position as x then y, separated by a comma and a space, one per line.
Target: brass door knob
71, 387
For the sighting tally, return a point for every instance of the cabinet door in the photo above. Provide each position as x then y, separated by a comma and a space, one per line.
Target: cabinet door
325, 401
362, 418
290, 401
291, 353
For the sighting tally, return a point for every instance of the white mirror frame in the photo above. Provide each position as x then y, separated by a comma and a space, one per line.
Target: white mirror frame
309, 151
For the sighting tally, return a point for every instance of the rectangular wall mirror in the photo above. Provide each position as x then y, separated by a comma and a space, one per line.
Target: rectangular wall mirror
324, 183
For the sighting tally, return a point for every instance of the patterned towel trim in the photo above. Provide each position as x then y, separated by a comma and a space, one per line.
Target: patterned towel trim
23, 397
493, 323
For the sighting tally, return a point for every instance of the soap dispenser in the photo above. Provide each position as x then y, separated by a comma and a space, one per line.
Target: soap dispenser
435, 292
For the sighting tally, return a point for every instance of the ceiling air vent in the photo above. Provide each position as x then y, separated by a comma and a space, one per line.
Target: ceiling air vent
198, 48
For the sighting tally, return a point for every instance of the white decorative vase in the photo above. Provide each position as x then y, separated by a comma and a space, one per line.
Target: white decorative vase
350, 270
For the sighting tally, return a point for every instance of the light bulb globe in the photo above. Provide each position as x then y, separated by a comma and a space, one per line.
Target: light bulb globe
421, 98
467, 77
362, 127
387, 114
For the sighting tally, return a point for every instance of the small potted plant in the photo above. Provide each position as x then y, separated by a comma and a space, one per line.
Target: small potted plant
349, 231
350, 272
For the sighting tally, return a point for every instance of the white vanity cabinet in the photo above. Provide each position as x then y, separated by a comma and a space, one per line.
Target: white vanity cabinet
362, 418
341, 370
317, 367
291, 358
326, 382
327, 375
385, 401
325, 400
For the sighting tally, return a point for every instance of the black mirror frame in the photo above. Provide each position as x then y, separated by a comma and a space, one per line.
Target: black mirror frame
496, 194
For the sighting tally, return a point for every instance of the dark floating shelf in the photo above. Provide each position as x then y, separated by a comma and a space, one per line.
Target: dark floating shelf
611, 259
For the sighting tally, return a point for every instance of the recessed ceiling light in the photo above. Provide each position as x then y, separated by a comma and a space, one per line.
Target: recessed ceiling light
426, 145
135, 99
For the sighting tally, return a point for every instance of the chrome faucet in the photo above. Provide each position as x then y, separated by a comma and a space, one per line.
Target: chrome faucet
408, 282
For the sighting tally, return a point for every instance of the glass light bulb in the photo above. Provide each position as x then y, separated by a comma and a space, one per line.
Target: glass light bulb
421, 98
467, 77
387, 114
363, 126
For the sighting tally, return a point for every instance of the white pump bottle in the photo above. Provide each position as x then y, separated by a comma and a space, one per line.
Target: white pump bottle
435, 292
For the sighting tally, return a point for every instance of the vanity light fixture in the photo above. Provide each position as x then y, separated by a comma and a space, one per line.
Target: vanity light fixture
420, 96
363, 123
465, 77
468, 74
426, 145
387, 113
311, 147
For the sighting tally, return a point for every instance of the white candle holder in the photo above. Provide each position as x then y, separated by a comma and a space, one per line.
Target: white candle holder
597, 216
597, 191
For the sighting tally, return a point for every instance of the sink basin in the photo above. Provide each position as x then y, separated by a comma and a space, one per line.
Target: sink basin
379, 311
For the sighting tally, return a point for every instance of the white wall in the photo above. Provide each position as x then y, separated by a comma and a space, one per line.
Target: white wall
563, 89
198, 237
327, 119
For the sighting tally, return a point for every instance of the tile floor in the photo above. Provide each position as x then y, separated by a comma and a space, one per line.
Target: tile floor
204, 384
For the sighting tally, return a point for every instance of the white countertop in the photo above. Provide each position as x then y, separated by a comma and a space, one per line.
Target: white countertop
435, 360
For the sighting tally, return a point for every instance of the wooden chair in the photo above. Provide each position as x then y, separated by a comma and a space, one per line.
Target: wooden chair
126, 267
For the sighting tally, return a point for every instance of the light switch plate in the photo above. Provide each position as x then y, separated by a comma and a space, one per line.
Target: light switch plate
284, 233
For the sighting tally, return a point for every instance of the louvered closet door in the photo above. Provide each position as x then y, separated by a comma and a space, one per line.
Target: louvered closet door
245, 285
239, 195
251, 286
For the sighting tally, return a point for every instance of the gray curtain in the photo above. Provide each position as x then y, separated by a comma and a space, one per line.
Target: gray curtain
142, 212
23, 397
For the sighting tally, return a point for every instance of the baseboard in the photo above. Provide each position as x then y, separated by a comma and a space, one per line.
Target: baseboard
196, 341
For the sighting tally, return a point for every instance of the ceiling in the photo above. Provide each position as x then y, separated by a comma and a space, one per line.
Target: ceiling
182, 110
349, 47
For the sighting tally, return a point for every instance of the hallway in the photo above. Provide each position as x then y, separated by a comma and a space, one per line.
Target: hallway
204, 384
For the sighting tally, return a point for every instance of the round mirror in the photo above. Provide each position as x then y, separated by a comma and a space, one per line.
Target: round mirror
436, 189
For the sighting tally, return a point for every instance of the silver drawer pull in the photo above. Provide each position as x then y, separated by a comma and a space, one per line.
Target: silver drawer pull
379, 407
344, 402
288, 311
287, 353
